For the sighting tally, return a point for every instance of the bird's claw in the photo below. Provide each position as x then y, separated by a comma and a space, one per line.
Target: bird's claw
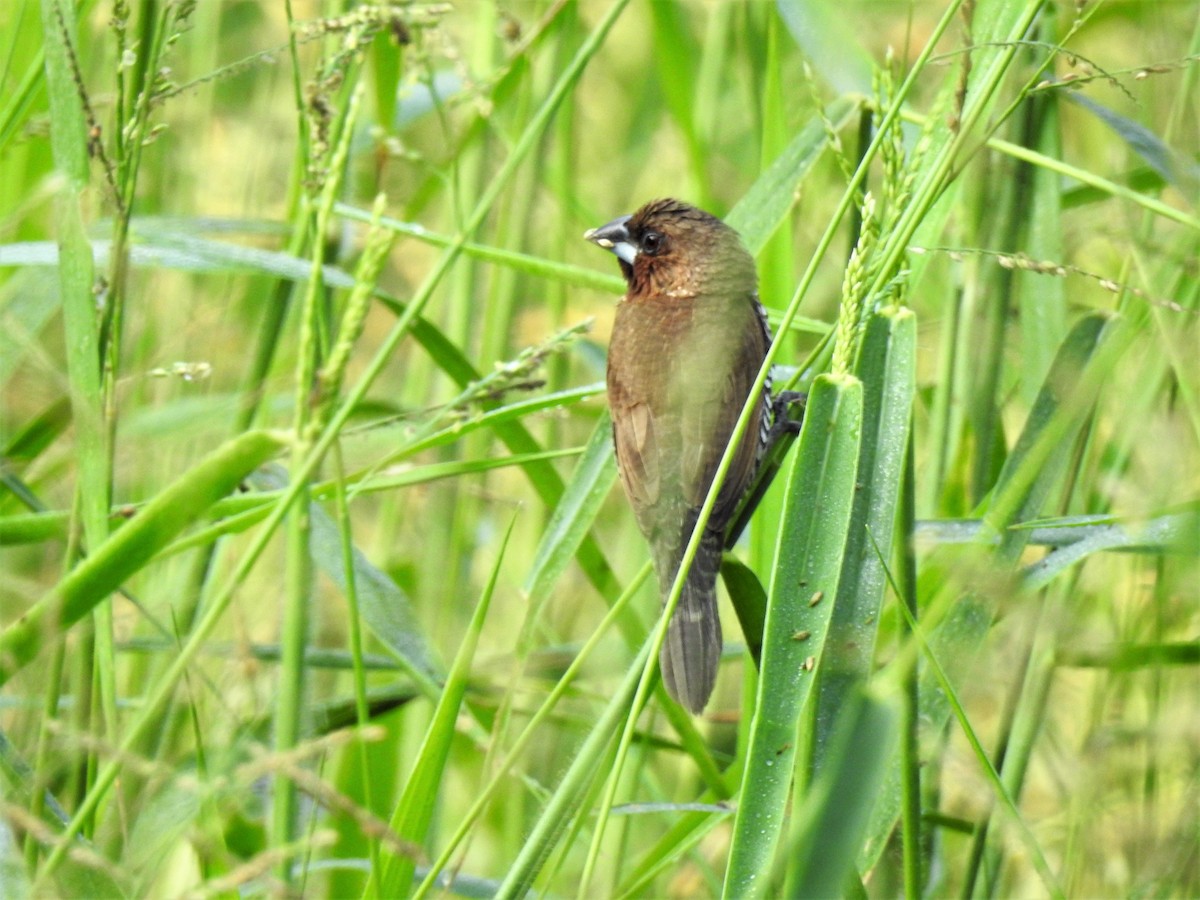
783, 420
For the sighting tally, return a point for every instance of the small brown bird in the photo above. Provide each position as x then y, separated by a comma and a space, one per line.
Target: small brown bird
687, 344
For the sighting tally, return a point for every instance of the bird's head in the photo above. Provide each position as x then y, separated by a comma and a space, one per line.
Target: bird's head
672, 250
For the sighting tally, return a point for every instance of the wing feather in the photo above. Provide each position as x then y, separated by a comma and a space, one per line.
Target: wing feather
712, 412
637, 450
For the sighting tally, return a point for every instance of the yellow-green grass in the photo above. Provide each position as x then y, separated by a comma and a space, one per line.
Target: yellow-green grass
315, 577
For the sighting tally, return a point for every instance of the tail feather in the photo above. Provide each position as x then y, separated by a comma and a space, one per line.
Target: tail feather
691, 652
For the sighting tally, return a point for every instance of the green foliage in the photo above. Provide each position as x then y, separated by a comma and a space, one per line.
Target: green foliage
302, 369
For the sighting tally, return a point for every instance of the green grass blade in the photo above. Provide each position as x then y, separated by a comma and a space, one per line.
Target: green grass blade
573, 516
809, 558
1173, 166
415, 810
1037, 460
830, 823
384, 607
749, 602
134, 545
822, 30
1043, 301
769, 200
23, 315
579, 778
887, 368
677, 61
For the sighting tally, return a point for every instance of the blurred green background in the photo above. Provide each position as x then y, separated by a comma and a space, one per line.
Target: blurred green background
229, 150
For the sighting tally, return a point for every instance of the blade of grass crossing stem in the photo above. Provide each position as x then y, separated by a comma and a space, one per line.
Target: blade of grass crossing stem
584, 769
1042, 450
133, 545
573, 516
830, 823
808, 564
766, 204
415, 809
887, 369
498, 773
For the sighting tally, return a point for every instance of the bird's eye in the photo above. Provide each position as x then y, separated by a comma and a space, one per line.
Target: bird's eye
653, 243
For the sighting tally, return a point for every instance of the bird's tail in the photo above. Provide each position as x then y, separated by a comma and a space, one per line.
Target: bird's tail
692, 650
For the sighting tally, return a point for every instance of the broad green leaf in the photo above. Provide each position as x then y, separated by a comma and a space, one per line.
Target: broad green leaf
836, 808
804, 583
887, 368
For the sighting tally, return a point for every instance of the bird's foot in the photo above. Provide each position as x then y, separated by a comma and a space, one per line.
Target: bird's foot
785, 419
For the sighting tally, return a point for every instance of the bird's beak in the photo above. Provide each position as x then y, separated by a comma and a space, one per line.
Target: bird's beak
614, 236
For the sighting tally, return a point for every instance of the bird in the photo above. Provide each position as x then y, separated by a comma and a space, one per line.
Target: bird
688, 340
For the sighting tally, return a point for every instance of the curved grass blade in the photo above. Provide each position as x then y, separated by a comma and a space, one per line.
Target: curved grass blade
133, 545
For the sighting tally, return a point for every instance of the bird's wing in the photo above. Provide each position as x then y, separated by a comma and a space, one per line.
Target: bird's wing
637, 453
710, 414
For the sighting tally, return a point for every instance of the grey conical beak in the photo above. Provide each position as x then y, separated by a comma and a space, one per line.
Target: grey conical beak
614, 236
